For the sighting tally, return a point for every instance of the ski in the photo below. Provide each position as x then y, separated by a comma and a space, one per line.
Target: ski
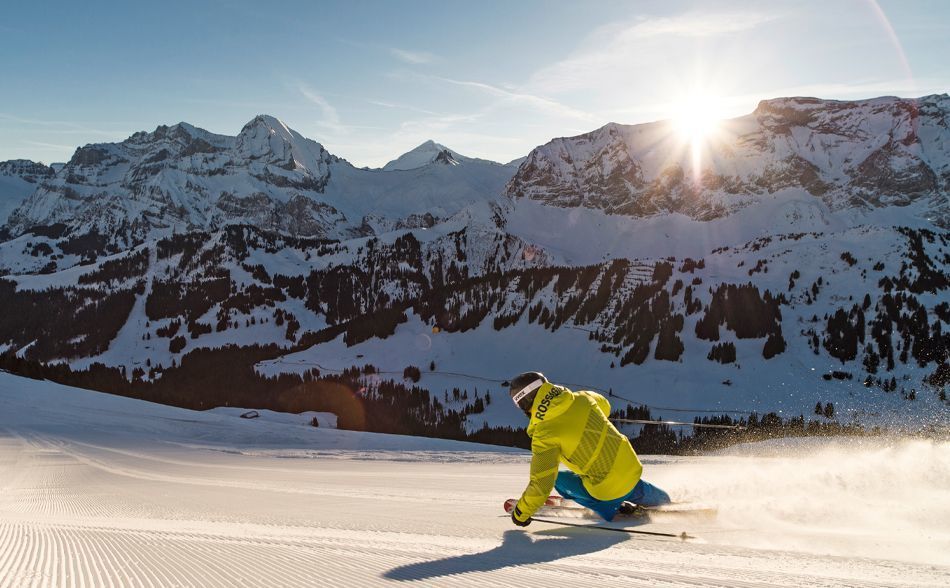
559, 507
555, 506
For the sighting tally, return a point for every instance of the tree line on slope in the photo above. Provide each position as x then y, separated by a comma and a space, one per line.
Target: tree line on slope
208, 378
363, 401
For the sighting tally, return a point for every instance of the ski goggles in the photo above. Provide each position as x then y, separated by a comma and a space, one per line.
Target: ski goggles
524, 392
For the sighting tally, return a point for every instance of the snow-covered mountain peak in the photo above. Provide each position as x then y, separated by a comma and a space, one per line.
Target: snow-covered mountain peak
265, 133
424, 154
178, 140
267, 137
181, 130
267, 125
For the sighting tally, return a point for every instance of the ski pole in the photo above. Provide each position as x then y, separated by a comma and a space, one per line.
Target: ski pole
682, 536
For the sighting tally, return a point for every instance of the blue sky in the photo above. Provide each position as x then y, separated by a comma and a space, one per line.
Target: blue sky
371, 80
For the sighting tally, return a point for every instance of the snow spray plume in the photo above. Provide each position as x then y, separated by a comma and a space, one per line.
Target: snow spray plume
879, 497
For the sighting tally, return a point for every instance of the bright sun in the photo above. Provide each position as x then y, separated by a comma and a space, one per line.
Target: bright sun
696, 118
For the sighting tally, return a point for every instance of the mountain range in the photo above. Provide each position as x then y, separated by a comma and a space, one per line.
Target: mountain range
798, 256
181, 178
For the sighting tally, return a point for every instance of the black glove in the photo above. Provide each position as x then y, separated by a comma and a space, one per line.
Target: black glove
515, 520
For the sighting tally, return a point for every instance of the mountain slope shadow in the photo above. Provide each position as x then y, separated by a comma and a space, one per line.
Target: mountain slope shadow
517, 548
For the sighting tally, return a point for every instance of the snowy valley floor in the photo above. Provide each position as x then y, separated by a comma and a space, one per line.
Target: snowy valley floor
104, 491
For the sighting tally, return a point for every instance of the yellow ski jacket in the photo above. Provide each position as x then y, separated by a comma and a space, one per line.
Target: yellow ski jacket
573, 428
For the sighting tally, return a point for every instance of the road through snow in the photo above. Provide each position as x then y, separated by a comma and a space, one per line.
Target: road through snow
97, 490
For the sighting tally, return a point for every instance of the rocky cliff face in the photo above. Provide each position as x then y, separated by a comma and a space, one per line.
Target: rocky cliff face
29, 171
866, 154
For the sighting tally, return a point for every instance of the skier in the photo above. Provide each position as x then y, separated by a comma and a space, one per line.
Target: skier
573, 428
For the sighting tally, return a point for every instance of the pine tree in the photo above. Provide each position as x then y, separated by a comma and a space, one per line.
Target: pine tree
829, 410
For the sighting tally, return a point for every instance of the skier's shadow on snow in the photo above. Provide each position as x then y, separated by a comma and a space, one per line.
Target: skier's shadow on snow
518, 548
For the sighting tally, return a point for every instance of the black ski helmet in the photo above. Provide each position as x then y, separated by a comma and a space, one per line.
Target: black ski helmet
524, 387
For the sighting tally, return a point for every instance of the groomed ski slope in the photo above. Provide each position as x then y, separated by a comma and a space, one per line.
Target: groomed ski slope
97, 490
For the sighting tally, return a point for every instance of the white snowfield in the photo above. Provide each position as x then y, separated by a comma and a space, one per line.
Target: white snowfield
97, 490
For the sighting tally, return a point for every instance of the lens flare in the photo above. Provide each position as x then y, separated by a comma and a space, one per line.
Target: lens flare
696, 120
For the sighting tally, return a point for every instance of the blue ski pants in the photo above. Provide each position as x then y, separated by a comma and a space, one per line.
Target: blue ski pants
570, 486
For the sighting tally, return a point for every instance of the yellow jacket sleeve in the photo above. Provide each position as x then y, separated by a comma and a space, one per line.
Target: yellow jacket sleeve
602, 403
545, 455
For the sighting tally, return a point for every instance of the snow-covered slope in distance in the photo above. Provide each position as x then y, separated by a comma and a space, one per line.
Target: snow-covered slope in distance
107, 490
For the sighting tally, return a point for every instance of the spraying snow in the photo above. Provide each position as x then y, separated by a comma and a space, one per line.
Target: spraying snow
845, 497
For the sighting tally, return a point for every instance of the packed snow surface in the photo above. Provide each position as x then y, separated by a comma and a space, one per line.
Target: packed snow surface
99, 490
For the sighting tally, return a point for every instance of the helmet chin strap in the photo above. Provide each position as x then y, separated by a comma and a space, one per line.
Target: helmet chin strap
517, 398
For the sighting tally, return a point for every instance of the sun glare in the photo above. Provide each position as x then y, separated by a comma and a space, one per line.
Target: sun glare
697, 118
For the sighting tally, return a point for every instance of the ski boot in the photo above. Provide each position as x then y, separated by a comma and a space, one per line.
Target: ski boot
629, 509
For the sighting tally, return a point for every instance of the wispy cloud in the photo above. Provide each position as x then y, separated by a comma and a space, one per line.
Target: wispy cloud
427, 127
57, 126
50, 146
397, 106
330, 118
698, 24
548, 105
413, 57
616, 51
